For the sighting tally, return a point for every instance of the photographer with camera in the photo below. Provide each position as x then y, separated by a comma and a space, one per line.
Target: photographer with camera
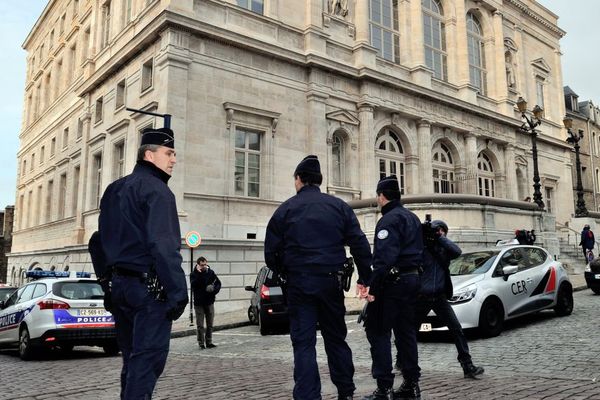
436, 289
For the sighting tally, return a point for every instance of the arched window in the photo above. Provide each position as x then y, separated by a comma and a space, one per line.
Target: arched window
477, 72
390, 156
443, 169
337, 160
485, 177
434, 32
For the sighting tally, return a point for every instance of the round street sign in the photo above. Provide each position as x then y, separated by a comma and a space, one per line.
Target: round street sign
193, 239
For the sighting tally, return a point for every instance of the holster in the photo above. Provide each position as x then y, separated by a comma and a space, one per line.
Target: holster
346, 274
155, 288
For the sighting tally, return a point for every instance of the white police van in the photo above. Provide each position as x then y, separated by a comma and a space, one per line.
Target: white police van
57, 309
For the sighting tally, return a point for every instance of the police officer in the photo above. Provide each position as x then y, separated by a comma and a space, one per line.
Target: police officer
305, 238
140, 239
392, 292
436, 289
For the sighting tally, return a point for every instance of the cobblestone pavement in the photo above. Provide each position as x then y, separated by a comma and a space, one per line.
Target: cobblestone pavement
542, 357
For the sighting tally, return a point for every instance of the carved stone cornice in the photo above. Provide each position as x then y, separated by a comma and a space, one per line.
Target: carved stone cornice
536, 17
232, 108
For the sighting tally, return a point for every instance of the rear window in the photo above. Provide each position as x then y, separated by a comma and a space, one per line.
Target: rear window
5, 292
78, 290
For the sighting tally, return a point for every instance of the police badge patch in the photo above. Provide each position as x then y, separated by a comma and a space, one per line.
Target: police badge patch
382, 234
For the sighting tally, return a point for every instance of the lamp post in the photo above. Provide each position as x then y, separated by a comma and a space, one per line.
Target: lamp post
529, 125
581, 210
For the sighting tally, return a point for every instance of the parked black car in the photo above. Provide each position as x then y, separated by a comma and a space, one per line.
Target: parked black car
267, 308
592, 275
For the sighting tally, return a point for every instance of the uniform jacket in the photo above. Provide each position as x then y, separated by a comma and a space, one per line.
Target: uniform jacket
436, 262
308, 232
139, 228
199, 281
587, 238
398, 241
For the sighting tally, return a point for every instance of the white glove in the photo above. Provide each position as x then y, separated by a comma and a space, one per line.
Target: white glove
210, 288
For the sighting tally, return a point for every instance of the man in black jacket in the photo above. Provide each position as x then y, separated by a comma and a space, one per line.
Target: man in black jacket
205, 286
436, 289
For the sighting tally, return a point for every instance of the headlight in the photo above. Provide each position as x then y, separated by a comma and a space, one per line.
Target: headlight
588, 268
463, 295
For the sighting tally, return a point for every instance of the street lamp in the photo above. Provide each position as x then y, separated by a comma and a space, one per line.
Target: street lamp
529, 125
574, 139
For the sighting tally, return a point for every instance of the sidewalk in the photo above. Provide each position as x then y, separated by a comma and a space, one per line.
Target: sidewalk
234, 319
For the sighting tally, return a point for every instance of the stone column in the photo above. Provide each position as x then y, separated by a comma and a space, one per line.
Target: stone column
316, 131
471, 162
501, 89
425, 170
79, 230
363, 53
461, 50
313, 34
510, 171
366, 151
522, 67
557, 88
417, 44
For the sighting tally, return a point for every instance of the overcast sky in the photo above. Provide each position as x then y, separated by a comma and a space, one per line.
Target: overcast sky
581, 60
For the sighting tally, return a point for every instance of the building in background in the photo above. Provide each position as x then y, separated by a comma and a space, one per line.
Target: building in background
424, 89
6, 227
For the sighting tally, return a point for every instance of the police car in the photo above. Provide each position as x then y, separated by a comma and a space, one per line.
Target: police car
57, 309
501, 283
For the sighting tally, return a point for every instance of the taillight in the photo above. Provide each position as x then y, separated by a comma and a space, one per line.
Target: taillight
51, 304
264, 292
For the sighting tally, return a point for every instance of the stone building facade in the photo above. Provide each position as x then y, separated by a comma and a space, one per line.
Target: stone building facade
425, 89
6, 227
586, 118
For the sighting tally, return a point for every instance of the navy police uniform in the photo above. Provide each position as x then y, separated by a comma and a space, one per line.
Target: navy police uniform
397, 257
140, 236
306, 237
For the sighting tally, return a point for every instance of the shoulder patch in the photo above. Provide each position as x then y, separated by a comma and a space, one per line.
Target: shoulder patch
382, 234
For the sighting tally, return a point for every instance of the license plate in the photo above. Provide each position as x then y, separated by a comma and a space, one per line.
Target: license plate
425, 328
597, 276
92, 312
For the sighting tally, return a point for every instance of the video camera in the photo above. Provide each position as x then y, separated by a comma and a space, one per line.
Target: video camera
429, 233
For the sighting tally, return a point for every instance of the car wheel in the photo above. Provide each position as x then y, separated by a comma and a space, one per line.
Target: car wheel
263, 327
111, 349
26, 350
564, 301
252, 315
596, 290
491, 318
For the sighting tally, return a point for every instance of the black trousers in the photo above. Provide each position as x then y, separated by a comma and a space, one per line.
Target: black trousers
394, 309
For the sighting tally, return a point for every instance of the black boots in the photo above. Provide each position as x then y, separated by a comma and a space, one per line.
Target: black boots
409, 390
470, 370
381, 394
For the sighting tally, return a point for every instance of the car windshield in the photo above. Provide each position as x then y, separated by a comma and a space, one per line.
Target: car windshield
478, 262
5, 292
78, 290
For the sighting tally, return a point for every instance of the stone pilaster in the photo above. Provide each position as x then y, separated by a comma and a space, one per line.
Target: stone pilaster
510, 171
471, 162
363, 53
316, 130
425, 170
366, 151
501, 85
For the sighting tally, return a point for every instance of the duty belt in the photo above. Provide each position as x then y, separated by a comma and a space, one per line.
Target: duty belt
128, 272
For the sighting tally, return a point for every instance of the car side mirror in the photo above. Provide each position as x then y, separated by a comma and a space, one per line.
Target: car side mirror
249, 288
509, 270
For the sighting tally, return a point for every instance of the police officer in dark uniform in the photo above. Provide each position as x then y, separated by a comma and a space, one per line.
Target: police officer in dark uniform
436, 289
305, 238
392, 292
140, 241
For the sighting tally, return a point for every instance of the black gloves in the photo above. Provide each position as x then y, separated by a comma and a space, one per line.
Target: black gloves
175, 312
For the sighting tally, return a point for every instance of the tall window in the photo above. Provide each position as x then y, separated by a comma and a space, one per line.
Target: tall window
49, 197
443, 169
435, 38
485, 177
539, 91
99, 109
147, 70
120, 95
477, 73
253, 5
338, 156
119, 161
549, 199
96, 180
52, 147
62, 195
105, 36
75, 199
65, 141
389, 155
79, 128
247, 163
42, 154
385, 37
38, 205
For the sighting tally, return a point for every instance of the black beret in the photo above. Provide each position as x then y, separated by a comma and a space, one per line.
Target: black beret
389, 183
159, 136
309, 164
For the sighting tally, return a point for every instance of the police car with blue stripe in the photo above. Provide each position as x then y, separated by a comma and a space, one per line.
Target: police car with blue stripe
57, 309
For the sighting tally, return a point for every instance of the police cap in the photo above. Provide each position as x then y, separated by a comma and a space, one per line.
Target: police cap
388, 184
159, 136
